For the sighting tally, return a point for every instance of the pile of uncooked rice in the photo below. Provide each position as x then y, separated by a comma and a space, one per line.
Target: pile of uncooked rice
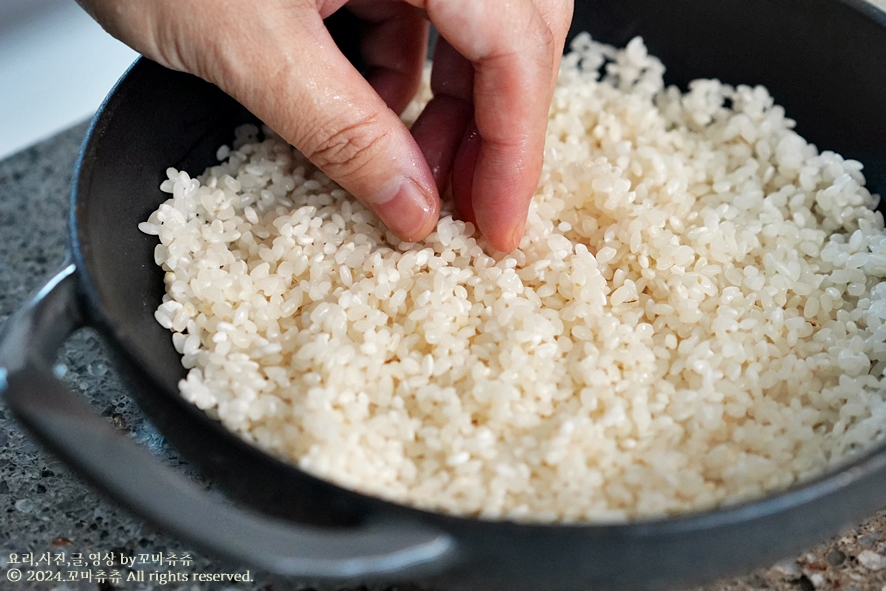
695, 315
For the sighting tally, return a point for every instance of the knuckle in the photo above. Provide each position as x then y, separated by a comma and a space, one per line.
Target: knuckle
343, 150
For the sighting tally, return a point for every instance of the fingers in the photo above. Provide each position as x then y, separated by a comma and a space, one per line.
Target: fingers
337, 120
322, 105
280, 63
514, 54
293, 77
511, 50
394, 47
440, 127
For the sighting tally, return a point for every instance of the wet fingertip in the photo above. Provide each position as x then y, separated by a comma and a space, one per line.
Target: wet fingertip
517, 232
408, 210
507, 241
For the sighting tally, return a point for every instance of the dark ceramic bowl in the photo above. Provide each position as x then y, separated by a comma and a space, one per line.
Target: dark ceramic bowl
824, 60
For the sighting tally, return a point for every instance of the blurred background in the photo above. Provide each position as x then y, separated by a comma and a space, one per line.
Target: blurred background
56, 66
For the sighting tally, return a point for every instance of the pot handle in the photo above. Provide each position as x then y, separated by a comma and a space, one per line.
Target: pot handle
136, 479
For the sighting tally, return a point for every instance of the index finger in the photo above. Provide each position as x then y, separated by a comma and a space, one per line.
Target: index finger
514, 55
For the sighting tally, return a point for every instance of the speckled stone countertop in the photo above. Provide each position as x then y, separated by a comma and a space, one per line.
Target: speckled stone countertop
46, 509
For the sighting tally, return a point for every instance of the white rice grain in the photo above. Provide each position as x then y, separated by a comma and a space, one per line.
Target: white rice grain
695, 316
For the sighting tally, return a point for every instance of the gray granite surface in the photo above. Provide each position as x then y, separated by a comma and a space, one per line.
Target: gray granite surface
46, 509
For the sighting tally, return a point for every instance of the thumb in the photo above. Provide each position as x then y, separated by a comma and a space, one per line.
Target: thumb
295, 79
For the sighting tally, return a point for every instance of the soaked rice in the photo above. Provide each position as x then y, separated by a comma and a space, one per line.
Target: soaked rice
695, 315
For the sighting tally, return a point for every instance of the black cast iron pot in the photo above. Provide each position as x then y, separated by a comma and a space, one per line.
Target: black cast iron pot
824, 60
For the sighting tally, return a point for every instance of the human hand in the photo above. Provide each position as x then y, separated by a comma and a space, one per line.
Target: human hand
493, 80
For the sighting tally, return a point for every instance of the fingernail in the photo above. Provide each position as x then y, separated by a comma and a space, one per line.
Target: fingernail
406, 211
514, 237
517, 234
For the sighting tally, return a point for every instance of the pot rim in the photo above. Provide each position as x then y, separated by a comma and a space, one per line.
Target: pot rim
830, 482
